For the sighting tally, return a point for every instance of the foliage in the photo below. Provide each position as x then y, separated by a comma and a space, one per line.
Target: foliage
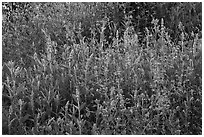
189, 13
134, 86
22, 23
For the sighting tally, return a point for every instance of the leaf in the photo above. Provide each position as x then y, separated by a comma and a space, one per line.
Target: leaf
6, 72
82, 106
74, 118
75, 98
76, 107
6, 100
23, 119
13, 120
20, 89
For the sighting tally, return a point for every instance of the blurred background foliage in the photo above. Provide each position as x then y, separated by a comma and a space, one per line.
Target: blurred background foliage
23, 22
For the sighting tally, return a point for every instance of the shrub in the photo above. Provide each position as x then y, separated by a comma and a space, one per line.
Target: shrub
127, 88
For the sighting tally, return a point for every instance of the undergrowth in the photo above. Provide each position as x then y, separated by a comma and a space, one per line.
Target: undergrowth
153, 87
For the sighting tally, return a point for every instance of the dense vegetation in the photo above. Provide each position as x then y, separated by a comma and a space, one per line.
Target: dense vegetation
102, 68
